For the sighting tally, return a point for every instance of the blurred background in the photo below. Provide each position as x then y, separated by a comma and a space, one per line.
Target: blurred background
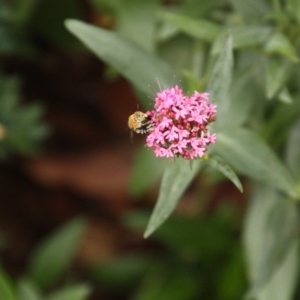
74, 204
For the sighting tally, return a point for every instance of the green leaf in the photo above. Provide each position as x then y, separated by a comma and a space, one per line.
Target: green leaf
191, 9
285, 96
179, 52
293, 6
279, 123
242, 36
278, 72
54, 256
191, 82
177, 176
280, 44
27, 291
199, 29
270, 235
173, 284
78, 292
138, 21
249, 155
136, 64
21, 122
146, 171
191, 237
252, 11
219, 164
220, 81
283, 283
293, 151
6, 289
123, 272
22, 11
243, 91
9, 87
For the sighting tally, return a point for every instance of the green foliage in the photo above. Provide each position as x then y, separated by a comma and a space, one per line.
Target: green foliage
293, 151
53, 257
21, 129
271, 245
124, 272
219, 164
78, 292
220, 82
6, 287
202, 264
146, 171
27, 291
253, 132
245, 151
50, 260
142, 30
245, 53
176, 178
133, 62
14, 16
200, 29
278, 72
280, 44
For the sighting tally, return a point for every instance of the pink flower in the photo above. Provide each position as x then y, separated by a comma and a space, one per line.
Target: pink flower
172, 134
197, 116
180, 124
165, 123
180, 112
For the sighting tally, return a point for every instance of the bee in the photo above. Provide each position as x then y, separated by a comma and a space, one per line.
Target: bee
139, 122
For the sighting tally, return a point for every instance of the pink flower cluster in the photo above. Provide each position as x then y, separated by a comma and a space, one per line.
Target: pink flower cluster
180, 124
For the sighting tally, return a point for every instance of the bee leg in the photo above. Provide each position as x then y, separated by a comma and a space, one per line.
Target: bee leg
150, 126
131, 136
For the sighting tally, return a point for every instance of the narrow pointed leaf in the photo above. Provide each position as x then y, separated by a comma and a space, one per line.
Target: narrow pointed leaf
251, 11
270, 235
280, 44
220, 81
242, 36
220, 164
293, 6
283, 283
138, 21
176, 178
293, 151
242, 94
79, 292
278, 72
197, 28
27, 291
54, 256
136, 64
285, 96
249, 155
147, 169
6, 288
191, 82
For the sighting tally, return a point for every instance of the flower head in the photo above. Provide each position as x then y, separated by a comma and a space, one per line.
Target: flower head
180, 124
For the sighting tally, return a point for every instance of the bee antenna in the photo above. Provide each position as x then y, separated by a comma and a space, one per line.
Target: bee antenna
158, 84
152, 100
151, 89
